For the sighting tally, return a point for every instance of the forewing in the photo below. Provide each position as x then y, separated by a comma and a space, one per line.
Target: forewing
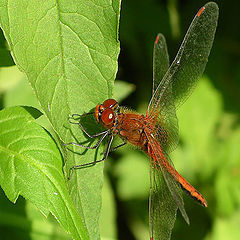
193, 54
182, 76
191, 59
164, 122
160, 60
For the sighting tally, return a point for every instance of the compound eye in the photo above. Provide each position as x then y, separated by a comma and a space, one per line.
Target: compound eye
98, 111
107, 117
110, 103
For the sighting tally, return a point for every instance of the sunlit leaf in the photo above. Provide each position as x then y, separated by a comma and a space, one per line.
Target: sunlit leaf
122, 90
31, 165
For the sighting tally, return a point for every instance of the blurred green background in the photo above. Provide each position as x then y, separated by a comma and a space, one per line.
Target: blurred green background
209, 151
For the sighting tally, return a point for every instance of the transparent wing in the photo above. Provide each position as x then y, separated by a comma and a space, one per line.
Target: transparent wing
191, 58
162, 207
182, 76
165, 122
173, 90
160, 60
165, 195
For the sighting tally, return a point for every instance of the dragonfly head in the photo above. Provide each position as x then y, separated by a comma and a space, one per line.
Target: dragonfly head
105, 113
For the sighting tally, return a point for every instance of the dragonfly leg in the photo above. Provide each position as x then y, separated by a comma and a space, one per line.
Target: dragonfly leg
94, 162
102, 134
76, 116
118, 146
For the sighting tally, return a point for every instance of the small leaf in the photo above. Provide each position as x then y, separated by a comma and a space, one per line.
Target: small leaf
31, 165
122, 90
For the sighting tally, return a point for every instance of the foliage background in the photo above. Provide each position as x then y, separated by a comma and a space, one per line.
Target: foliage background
208, 155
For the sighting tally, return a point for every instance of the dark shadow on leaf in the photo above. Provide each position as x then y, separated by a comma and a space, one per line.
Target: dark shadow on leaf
33, 111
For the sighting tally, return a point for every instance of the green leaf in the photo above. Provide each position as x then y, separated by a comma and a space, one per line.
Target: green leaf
31, 165
68, 51
42, 228
9, 78
19, 92
122, 90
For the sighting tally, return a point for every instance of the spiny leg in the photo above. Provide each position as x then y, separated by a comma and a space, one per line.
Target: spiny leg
104, 134
118, 146
82, 128
94, 162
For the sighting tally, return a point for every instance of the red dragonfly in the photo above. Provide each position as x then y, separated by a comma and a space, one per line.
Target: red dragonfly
156, 133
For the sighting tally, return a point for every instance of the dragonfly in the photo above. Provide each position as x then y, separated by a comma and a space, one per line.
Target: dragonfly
156, 132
